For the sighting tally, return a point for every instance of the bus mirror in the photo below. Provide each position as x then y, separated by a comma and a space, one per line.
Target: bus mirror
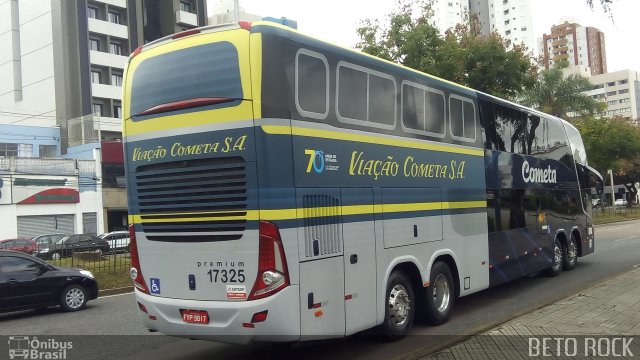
595, 180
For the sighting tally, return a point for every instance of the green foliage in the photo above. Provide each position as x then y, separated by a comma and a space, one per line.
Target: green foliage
462, 55
558, 95
612, 144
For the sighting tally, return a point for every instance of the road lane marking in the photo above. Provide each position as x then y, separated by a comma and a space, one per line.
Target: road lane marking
623, 239
108, 296
617, 228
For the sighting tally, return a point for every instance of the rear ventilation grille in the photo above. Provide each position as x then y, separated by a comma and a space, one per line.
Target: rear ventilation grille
193, 200
322, 226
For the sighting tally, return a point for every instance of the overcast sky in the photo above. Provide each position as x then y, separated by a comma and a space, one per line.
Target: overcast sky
336, 20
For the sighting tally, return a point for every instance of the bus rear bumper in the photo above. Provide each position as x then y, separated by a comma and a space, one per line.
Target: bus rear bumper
229, 321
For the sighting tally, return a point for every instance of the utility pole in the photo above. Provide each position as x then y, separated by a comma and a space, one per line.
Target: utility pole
613, 198
236, 10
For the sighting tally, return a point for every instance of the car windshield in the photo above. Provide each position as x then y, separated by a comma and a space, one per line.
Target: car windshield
63, 240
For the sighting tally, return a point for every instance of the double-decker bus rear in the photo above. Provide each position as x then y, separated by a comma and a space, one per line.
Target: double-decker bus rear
203, 264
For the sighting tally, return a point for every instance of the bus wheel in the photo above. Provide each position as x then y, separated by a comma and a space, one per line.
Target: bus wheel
570, 254
556, 262
440, 294
400, 307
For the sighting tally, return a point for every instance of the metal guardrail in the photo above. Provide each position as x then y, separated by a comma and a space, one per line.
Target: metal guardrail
94, 261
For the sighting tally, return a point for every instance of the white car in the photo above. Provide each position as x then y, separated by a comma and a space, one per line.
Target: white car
118, 240
620, 202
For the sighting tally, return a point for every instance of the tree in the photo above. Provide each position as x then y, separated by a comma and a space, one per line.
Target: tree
612, 144
558, 95
463, 55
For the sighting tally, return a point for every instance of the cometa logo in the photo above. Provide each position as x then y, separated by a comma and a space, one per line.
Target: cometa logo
538, 175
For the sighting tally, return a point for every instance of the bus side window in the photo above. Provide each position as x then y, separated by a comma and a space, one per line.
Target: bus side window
422, 110
312, 84
488, 121
462, 118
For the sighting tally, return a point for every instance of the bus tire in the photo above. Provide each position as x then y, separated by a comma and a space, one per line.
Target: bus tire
557, 260
399, 309
570, 253
440, 295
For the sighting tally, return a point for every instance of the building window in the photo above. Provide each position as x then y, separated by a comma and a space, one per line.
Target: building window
506, 11
623, 91
523, 29
508, 32
48, 151
117, 111
8, 149
506, 22
611, 93
93, 12
114, 17
611, 83
94, 44
116, 79
95, 77
622, 82
622, 101
115, 48
97, 109
185, 6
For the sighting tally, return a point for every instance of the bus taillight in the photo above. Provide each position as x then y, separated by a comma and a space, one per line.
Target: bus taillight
136, 272
273, 274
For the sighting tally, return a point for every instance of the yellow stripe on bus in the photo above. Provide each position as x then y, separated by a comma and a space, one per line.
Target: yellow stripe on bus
290, 214
336, 135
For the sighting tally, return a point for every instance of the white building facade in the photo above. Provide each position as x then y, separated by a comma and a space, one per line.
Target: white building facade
620, 90
509, 18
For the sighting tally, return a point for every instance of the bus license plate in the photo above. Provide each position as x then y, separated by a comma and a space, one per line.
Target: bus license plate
195, 316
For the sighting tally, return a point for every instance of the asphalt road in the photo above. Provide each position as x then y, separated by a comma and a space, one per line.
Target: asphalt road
617, 249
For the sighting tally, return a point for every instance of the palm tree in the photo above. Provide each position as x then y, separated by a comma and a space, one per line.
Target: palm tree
558, 95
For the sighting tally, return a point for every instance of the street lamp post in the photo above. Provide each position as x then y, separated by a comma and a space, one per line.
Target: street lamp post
613, 198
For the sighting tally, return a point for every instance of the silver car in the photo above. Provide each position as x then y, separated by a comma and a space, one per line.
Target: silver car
118, 240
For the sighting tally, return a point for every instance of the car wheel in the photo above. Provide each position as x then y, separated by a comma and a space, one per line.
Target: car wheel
557, 260
440, 295
570, 254
399, 307
98, 252
56, 256
73, 298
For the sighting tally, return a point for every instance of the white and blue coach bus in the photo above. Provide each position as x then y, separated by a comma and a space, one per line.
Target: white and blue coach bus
281, 188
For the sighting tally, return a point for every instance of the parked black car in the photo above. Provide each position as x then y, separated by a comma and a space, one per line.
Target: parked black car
27, 282
69, 244
45, 240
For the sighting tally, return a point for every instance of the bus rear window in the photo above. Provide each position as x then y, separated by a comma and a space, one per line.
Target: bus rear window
204, 71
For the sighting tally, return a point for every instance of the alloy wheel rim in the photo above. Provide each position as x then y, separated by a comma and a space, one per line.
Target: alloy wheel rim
571, 252
441, 293
74, 298
399, 305
557, 257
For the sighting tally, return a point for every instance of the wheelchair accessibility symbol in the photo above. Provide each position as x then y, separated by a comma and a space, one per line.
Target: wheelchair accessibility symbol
155, 286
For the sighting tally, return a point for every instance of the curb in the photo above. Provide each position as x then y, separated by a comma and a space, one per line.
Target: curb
116, 291
433, 350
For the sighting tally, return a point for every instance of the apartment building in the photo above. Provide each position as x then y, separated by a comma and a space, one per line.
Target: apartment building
581, 46
509, 18
620, 90
61, 73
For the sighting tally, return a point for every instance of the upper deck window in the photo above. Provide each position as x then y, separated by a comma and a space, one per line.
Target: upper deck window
312, 84
204, 71
462, 118
365, 97
422, 109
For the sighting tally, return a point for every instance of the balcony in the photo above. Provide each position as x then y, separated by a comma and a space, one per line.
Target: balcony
108, 28
110, 124
107, 59
186, 18
106, 91
119, 3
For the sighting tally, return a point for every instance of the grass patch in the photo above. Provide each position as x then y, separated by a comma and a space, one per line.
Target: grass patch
111, 271
619, 214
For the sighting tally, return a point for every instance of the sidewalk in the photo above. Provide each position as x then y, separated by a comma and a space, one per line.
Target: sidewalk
609, 310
